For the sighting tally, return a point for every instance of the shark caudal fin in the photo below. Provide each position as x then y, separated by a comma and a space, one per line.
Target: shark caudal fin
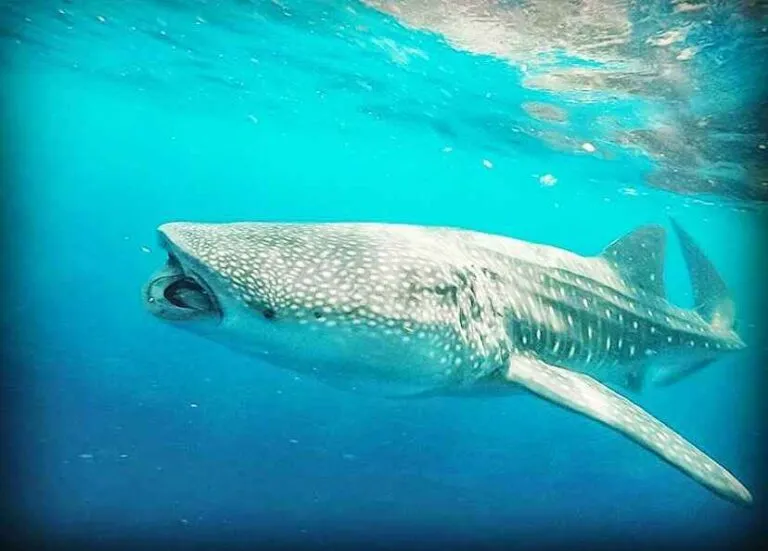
711, 297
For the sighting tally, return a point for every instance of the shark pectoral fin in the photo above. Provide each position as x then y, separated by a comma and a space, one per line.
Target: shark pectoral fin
584, 395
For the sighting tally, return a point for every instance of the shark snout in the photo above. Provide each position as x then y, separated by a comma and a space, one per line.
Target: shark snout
182, 236
177, 291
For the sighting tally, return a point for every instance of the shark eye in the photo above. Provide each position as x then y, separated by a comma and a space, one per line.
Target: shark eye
185, 292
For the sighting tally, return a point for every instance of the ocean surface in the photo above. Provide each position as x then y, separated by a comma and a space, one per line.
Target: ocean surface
568, 123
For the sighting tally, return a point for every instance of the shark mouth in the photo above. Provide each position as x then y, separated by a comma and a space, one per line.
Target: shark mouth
175, 294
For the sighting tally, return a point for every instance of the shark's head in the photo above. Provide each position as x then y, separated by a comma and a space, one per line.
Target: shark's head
214, 275
257, 287
308, 297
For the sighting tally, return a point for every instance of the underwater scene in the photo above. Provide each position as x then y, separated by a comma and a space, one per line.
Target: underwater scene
384, 274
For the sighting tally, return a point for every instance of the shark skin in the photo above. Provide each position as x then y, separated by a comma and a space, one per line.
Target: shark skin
417, 311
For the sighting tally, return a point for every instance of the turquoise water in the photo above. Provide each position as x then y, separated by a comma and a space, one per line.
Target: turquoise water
119, 117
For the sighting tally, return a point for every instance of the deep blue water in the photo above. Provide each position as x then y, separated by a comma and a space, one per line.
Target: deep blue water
119, 117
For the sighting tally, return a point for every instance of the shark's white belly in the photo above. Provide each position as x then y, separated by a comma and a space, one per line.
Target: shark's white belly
361, 358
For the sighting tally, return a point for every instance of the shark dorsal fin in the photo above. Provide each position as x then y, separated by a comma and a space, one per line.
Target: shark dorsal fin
639, 258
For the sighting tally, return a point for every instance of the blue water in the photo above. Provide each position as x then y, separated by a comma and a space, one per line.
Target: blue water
121, 116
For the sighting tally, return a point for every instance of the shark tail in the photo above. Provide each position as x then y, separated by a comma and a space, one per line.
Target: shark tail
712, 300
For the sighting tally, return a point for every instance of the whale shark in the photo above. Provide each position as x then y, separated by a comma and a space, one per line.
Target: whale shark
412, 311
